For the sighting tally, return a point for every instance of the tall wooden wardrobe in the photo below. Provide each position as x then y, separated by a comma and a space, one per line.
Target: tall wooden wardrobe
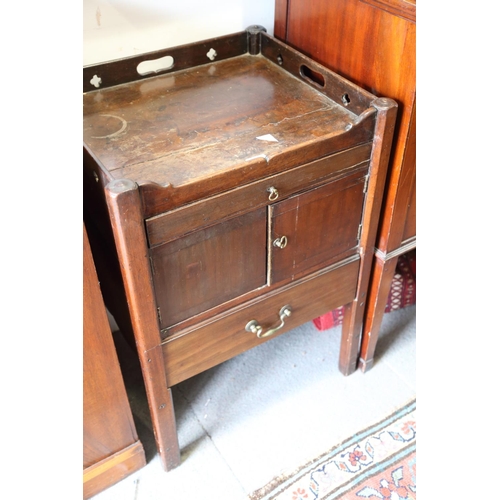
372, 43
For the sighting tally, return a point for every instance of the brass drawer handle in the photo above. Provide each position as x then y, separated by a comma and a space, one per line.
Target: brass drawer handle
280, 242
273, 193
254, 327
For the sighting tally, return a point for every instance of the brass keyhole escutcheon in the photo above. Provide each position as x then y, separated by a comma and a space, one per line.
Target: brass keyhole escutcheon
280, 242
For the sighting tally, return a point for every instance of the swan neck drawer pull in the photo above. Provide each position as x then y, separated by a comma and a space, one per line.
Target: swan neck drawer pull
254, 327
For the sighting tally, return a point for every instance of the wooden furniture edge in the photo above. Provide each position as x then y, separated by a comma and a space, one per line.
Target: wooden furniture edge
123, 199
113, 469
280, 19
400, 182
354, 312
384, 266
406, 9
406, 246
401, 8
381, 279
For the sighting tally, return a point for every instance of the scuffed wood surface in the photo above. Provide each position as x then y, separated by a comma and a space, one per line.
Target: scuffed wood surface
144, 130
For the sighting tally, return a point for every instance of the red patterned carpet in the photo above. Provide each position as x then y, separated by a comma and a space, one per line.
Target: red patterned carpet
376, 463
403, 292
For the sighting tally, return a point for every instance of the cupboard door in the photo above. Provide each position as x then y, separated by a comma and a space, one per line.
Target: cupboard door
313, 229
209, 266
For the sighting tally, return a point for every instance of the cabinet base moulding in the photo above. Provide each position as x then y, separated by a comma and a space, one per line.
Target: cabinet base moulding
113, 469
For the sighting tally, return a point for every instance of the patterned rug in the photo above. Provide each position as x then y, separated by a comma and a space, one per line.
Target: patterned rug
377, 463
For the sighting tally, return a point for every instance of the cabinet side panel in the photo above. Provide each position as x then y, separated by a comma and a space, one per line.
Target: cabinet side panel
411, 217
280, 18
374, 48
107, 419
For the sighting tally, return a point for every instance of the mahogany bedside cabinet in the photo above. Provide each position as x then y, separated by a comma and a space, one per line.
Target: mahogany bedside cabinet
233, 187
372, 43
111, 448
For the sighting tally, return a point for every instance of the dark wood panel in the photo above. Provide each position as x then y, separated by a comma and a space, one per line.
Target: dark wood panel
112, 469
318, 225
123, 202
143, 130
410, 229
224, 336
372, 43
346, 94
369, 46
208, 267
147, 127
170, 225
365, 44
399, 220
158, 199
184, 56
104, 397
108, 426
280, 19
380, 285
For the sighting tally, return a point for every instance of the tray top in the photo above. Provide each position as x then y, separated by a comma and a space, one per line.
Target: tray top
181, 127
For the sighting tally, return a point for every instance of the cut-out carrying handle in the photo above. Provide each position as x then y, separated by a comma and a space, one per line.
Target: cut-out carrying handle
318, 80
155, 65
312, 76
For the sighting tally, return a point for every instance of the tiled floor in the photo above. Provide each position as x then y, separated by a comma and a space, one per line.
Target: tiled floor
270, 410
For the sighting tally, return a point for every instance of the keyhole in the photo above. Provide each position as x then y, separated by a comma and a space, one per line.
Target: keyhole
346, 100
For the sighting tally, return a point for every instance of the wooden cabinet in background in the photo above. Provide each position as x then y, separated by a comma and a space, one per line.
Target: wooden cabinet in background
111, 448
372, 43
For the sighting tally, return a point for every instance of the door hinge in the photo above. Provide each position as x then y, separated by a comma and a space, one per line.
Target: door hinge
360, 229
152, 265
159, 314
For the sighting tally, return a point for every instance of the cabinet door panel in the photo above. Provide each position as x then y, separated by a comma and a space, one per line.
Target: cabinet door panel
319, 226
209, 267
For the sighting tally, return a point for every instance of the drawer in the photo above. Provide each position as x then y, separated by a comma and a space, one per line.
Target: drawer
224, 336
171, 225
